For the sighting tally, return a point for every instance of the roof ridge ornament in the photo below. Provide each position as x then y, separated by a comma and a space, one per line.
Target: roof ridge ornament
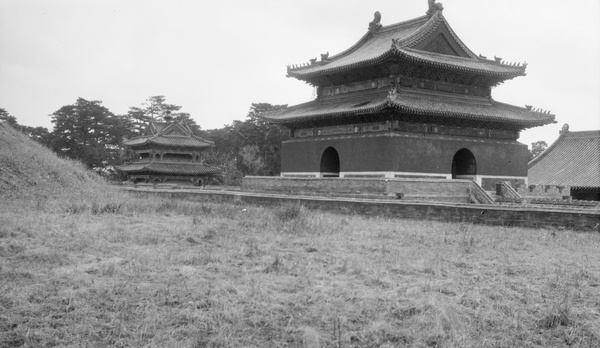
167, 116
564, 130
393, 93
375, 25
434, 7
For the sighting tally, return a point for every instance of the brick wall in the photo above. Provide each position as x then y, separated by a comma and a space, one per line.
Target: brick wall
545, 191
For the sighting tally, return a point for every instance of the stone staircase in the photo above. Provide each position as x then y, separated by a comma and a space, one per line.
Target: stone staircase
479, 195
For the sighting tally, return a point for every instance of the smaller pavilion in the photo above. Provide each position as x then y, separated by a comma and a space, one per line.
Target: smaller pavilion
168, 152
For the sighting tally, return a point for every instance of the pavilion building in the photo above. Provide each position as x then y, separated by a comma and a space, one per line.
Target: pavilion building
168, 152
408, 100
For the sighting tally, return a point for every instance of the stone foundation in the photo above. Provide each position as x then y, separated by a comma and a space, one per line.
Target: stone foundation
585, 220
439, 190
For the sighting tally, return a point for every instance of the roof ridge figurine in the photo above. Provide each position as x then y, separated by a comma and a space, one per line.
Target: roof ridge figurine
375, 25
434, 7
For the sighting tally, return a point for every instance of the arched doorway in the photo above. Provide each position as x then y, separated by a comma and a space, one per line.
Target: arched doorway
330, 163
464, 165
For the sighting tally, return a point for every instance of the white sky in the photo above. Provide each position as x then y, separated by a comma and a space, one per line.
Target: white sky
215, 58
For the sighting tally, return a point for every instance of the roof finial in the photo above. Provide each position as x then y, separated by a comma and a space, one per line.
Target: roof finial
433, 7
167, 116
374, 26
564, 130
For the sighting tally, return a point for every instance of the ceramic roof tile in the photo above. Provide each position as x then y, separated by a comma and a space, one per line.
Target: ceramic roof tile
460, 63
572, 160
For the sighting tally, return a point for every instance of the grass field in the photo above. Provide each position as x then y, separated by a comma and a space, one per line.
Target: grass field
84, 264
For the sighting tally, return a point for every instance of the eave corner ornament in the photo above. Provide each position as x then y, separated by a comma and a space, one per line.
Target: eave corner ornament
375, 25
434, 7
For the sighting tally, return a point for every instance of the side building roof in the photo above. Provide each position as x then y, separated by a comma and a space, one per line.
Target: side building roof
572, 160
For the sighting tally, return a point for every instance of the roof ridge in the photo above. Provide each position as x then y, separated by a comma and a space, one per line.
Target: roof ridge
421, 33
409, 22
325, 58
593, 134
456, 38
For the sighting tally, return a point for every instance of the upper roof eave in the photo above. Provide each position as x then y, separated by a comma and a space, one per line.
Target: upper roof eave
196, 142
459, 64
401, 47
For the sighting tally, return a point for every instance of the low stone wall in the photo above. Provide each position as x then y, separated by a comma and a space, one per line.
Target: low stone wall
586, 220
545, 191
440, 190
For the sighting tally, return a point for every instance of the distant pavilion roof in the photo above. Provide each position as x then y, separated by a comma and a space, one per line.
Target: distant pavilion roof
416, 102
572, 160
168, 134
399, 41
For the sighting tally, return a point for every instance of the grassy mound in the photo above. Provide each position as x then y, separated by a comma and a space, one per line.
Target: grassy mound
31, 173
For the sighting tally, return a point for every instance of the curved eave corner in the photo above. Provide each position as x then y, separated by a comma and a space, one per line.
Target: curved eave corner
522, 124
208, 143
132, 142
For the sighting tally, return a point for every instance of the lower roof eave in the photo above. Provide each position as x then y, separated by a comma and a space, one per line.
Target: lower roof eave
520, 124
150, 169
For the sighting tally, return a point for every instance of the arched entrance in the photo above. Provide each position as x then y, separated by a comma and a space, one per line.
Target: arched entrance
330, 163
464, 165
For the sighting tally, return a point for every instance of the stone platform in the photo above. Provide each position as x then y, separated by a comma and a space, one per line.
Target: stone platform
430, 190
533, 217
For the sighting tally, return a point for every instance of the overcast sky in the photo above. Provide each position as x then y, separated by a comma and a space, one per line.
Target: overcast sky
215, 58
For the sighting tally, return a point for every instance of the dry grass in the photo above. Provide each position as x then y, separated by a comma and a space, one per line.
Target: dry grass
82, 264
170, 273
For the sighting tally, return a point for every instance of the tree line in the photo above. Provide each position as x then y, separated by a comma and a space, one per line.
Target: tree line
89, 132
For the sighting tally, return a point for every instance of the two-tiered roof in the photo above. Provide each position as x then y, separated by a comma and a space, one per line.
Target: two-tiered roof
168, 151
433, 74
